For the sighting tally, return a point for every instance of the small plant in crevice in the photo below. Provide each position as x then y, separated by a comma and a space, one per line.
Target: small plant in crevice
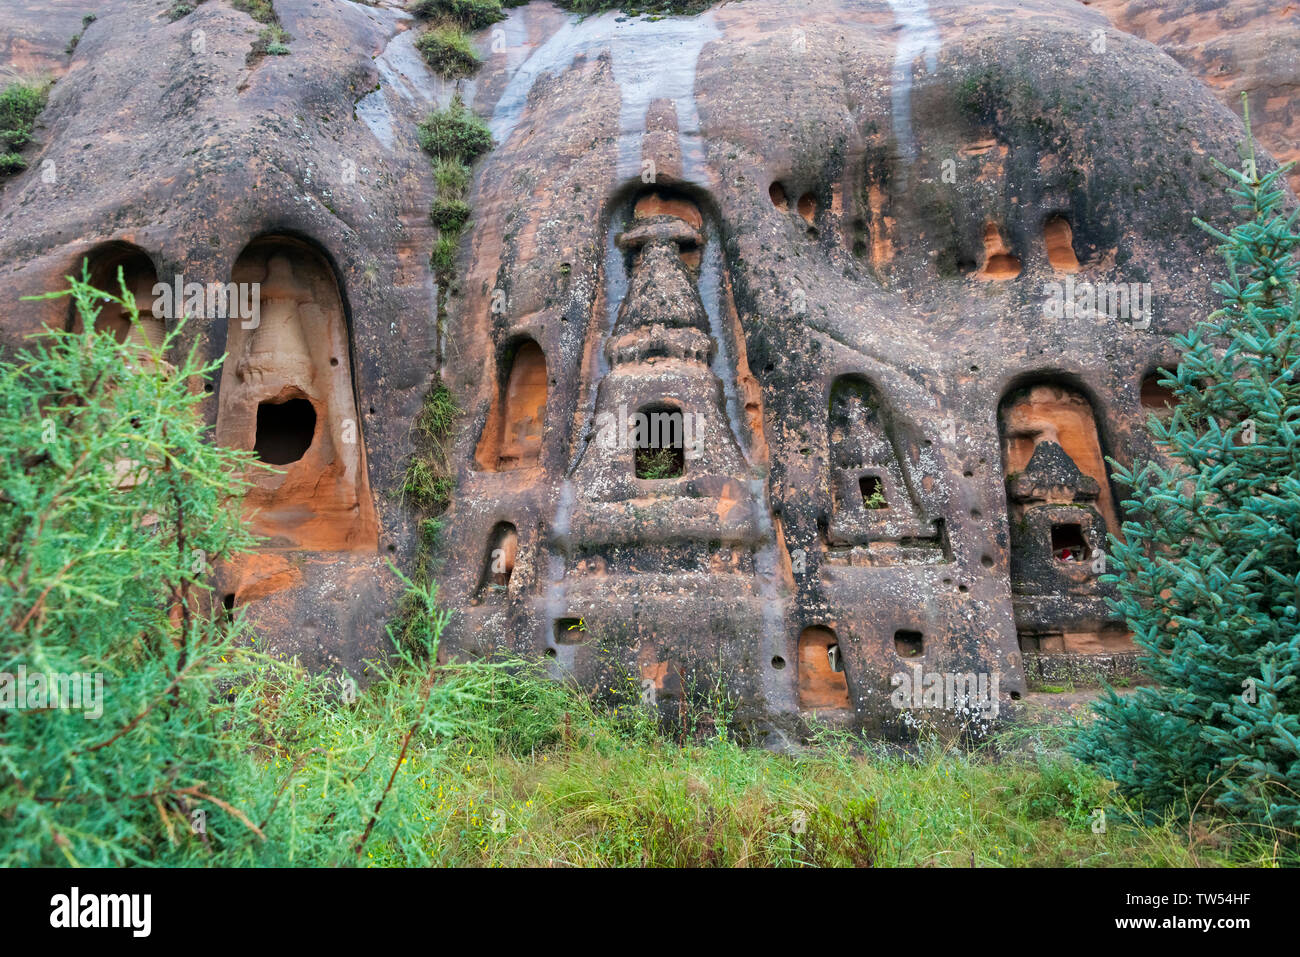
428, 486
20, 104
181, 8
272, 39
454, 137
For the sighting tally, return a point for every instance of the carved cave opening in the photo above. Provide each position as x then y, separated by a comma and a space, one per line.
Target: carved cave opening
140, 277
287, 393
1155, 396
1068, 544
512, 436
822, 685
873, 493
499, 564
909, 644
660, 445
1000, 263
1060, 510
1058, 237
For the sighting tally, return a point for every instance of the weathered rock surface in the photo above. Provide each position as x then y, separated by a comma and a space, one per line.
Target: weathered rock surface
898, 271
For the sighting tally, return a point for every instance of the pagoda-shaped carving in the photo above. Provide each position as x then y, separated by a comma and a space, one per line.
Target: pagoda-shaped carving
1058, 539
662, 464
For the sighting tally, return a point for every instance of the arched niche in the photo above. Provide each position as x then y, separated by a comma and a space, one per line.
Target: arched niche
499, 562
1155, 396
1058, 240
140, 277
287, 393
822, 685
512, 437
1054, 411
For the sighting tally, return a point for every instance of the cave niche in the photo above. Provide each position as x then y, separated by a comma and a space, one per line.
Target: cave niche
287, 394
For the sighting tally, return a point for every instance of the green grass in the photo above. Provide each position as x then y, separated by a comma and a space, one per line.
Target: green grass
561, 782
452, 178
448, 52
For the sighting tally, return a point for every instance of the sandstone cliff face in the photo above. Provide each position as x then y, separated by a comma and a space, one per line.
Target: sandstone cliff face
1233, 47
890, 277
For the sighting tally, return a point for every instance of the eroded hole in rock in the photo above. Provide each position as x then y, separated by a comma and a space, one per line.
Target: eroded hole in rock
512, 437
909, 644
659, 440
821, 685
284, 431
228, 606
1155, 396
778, 662
776, 192
570, 631
999, 262
1059, 239
873, 493
1068, 544
808, 207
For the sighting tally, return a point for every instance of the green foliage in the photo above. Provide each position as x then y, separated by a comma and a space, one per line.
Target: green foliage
11, 163
20, 104
198, 748
452, 178
260, 10
454, 133
429, 484
443, 257
449, 214
658, 463
470, 14
448, 52
1209, 576
651, 8
115, 505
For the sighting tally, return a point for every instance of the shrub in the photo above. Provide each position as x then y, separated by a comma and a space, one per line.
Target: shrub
443, 257
20, 104
448, 52
449, 215
470, 14
454, 133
